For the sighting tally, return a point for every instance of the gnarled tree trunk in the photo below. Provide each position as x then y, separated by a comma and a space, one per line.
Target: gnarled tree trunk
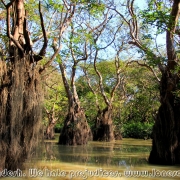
20, 106
166, 131
20, 92
49, 133
76, 130
104, 129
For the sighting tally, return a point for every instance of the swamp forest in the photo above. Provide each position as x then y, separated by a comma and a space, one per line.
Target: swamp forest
89, 89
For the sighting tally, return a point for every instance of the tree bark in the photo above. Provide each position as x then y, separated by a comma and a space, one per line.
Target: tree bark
20, 106
166, 131
49, 133
76, 130
20, 93
104, 129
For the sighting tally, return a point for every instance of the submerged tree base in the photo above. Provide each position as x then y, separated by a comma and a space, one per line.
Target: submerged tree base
76, 130
20, 107
104, 130
166, 137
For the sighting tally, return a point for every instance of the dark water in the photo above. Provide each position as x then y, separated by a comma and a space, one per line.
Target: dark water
98, 160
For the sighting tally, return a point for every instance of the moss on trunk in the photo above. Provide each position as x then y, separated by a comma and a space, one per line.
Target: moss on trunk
20, 107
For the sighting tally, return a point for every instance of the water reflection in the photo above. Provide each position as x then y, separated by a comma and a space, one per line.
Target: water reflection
90, 161
100, 154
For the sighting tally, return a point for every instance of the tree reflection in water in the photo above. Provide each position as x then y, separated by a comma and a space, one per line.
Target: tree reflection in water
101, 154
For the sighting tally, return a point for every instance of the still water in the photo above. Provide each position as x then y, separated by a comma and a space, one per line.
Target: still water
125, 159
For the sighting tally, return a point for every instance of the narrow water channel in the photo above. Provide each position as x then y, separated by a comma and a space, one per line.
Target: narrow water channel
98, 160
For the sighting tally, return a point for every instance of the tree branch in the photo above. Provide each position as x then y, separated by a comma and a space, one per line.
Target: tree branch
3, 3
100, 81
9, 35
148, 67
43, 50
63, 27
91, 88
170, 35
118, 73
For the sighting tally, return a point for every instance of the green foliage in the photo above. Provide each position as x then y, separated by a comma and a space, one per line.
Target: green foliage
156, 14
55, 4
58, 127
137, 102
94, 7
137, 130
141, 100
54, 95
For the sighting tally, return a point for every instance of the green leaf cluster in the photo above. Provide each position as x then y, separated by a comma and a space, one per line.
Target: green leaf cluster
137, 130
156, 15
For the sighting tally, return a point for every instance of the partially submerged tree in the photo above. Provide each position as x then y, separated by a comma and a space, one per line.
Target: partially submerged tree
104, 128
49, 132
166, 131
76, 130
20, 89
105, 37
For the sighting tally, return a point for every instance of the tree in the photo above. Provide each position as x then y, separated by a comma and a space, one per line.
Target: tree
76, 130
103, 129
20, 89
105, 37
166, 131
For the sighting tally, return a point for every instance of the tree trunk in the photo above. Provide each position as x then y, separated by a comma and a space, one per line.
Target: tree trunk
49, 134
20, 92
20, 107
104, 129
76, 130
166, 131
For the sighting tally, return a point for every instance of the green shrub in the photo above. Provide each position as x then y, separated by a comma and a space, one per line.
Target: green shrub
58, 128
137, 130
